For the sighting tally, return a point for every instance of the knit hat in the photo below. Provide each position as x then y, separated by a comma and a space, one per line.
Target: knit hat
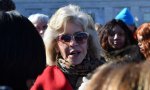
126, 16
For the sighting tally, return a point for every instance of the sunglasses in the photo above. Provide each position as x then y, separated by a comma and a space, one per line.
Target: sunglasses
79, 37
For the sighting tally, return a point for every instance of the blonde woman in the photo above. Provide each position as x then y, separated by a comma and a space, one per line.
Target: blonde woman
71, 49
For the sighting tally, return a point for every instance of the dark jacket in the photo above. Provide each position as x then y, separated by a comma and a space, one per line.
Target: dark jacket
75, 73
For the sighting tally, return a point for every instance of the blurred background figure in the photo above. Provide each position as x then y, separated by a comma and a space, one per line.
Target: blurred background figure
39, 21
115, 40
123, 77
98, 26
22, 53
143, 38
7, 5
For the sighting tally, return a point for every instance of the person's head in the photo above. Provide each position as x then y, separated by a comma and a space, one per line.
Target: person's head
7, 5
124, 77
126, 16
143, 38
39, 21
22, 50
68, 36
114, 35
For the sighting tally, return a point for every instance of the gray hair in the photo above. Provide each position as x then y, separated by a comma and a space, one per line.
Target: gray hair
38, 17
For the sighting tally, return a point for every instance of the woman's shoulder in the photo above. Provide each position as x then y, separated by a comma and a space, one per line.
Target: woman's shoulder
51, 73
50, 80
51, 68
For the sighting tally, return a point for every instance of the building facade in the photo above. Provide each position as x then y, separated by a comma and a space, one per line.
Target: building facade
101, 10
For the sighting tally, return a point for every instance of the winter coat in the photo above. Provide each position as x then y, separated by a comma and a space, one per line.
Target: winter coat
51, 79
130, 54
75, 74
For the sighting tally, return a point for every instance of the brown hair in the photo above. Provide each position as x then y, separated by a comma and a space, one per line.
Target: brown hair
106, 29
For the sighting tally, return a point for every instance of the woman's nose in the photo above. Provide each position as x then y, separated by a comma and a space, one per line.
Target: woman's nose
139, 44
116, 36
73, 42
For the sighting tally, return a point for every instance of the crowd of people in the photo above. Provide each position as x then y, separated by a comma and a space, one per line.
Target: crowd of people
69, 51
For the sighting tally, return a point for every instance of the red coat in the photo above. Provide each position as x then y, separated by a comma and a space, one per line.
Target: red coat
51, 79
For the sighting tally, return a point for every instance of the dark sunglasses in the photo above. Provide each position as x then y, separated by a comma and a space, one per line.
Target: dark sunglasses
79, 37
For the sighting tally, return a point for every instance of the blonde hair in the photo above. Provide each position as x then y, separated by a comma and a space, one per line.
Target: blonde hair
70, 13
124, 77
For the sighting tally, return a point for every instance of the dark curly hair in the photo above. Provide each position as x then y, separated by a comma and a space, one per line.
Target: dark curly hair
105, 32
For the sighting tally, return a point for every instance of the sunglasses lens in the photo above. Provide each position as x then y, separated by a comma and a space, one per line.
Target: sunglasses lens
80, 37
66, 38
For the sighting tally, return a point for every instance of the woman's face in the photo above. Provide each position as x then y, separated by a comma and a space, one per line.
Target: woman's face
117, 38
143, 45
73, 51
140, 43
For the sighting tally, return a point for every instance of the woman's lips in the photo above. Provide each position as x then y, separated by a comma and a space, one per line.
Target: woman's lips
116, 42
74, 53
142, 50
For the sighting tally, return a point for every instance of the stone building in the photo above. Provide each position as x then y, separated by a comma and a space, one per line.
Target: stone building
101, 10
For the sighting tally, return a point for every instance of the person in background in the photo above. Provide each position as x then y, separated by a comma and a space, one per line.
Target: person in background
115, 40
7, 5
39, 21
71, 53
126, 16
98, 26
143, 38
122, 77
22, 52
